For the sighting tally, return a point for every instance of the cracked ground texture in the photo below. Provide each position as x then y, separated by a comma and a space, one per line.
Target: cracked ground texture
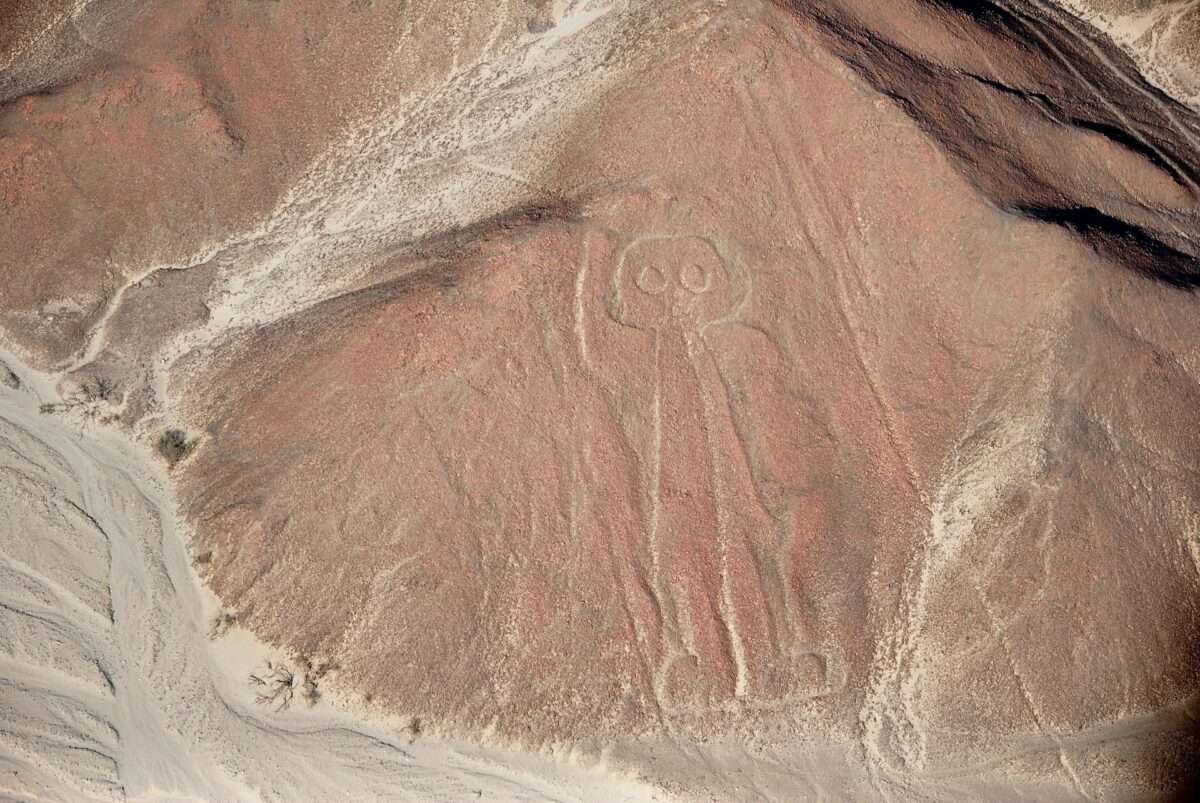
785, 400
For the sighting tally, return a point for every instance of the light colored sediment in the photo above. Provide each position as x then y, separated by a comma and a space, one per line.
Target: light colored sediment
110, 688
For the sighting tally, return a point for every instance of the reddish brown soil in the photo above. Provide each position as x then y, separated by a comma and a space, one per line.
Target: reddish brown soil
832, 382
783, 420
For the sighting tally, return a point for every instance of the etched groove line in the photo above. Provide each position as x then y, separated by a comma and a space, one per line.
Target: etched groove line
782, 631
1023, 687
912, 479
581, 275
869, 734
725, 608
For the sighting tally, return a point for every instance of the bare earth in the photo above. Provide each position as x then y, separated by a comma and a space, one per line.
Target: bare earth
662, 400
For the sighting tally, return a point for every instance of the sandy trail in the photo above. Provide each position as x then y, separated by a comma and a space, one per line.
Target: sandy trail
110, 688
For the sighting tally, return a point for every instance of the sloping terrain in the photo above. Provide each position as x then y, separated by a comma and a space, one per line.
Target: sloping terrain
110, 689
783, 400
1160, 35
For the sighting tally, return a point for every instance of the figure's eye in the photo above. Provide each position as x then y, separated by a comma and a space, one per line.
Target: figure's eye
695, 277
651, 280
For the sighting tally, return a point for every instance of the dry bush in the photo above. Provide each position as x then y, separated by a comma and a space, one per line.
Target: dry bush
174, 446
221, 623
276, 686
92, 401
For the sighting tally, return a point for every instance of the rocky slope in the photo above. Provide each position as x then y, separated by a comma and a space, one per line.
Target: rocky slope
1160, 35
784, 399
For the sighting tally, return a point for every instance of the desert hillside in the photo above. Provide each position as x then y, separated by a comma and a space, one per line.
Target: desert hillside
678, 400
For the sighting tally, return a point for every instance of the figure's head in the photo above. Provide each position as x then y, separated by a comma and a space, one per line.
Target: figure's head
680, 279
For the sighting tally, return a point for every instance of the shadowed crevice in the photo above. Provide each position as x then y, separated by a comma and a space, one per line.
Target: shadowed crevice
1122, 241
986, 120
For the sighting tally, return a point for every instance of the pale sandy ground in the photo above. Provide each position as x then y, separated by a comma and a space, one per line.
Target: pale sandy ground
110, 688
1148, 33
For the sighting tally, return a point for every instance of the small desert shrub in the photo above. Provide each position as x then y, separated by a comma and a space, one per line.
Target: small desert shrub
92, 400
174, 446
309, 691
277, 685
221, 623
99, 389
